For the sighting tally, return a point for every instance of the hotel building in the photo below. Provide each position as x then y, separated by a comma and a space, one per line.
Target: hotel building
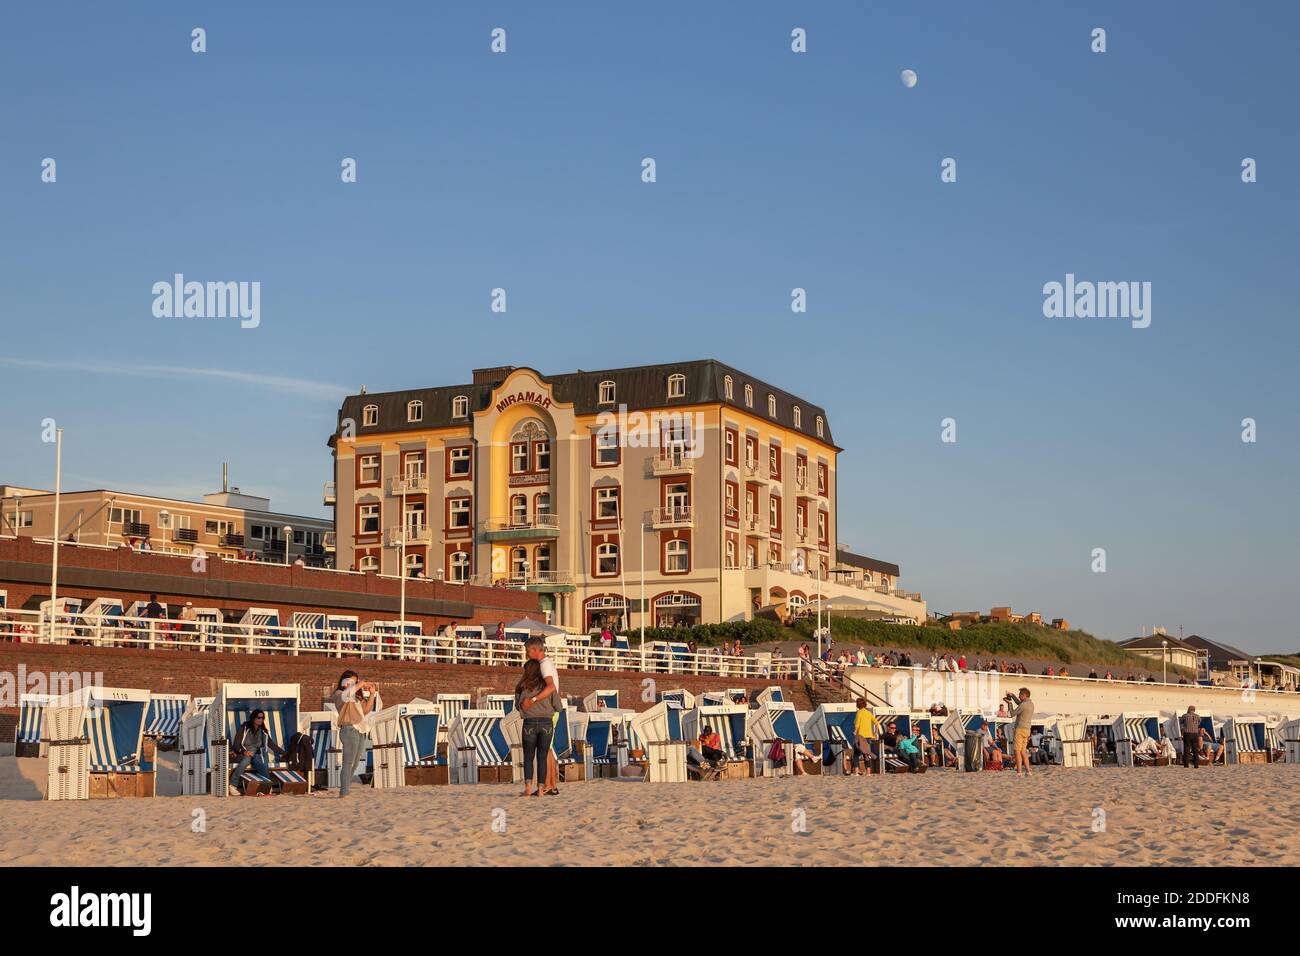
224, 524
714, 487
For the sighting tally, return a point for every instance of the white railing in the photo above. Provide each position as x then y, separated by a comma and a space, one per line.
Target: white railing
672, 460
410, 485
328, 493
672, 516
522, 522
287, 640
415, 534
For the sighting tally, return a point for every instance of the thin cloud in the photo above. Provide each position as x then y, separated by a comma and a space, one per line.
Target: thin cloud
279, 383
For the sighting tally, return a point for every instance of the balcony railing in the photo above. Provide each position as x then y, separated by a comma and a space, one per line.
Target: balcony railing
756, 526
752, 470
410, 485
523, 523
517, 579
232, 539
329, 495
189, 535
135, 529
672, 461
530, 478
674, 516
415, 534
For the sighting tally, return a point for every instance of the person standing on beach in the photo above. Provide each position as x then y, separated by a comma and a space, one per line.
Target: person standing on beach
1023, 712
538, 703
1191, 725
864, 732
354, 699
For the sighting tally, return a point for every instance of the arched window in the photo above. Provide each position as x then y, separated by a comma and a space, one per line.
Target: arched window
518, 563
542, 558
606, 559
518, 509
727, 390
415, 411
606, 396
751, 556
460, 406
370, 415
542, 505
415, 565
821, 425
771, 405
460, 566
798, 417
749, 396
677, 386
368, 563
677, 556
731, 553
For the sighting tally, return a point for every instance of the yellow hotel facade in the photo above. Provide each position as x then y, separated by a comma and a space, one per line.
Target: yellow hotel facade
666, 494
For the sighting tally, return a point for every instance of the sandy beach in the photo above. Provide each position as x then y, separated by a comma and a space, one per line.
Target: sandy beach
1220, 816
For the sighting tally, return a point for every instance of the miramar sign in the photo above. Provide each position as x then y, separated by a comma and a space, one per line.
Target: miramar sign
540, 399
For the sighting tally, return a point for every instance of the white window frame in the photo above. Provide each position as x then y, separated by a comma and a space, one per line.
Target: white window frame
677, 550
605, 551
677, 385
605, 393
415, 410
368, 562
605, 496
463, 507
368, 510
798, 417
456, 455
459, 570
362, 467
370, 416
771, 405
460, 406
728, 389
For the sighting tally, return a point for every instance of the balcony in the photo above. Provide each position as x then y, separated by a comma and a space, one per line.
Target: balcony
329, 495
273, 546
752, 470
232, 539
521, 527
135, 529
186, 535
530, 478
675, 460
801, 479
674, 516
410, 485
329, 542
415, 534
756, 527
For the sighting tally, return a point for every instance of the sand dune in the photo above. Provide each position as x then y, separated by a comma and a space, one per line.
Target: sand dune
1165, 816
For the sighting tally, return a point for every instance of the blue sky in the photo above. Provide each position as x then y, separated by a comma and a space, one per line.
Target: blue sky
775, 170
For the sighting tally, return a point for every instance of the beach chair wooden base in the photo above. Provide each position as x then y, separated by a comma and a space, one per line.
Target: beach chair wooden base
606, 771
894, 765
105, 786
288, 785
572, 772
251, 787
145, 783
813, 767
495, 773
32, 749
1254, 756
704, 773
432, 776
739, 770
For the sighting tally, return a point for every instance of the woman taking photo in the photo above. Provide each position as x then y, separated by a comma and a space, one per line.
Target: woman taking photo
537, 706
354, 699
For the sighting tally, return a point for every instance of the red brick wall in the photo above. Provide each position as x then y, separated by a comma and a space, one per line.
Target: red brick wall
227, 585
189, 672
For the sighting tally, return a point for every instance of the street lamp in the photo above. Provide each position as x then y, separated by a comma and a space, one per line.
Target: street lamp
288, 532
54, 562
164, 519
18, 504
1164, 662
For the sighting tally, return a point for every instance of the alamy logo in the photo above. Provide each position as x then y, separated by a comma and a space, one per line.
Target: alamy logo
1101, 300
209, 300
102, 909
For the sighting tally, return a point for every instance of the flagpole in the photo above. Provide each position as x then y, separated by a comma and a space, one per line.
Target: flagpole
54, 563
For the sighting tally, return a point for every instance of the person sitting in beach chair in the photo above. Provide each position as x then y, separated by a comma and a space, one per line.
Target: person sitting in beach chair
250, 745
908, 748
1209, 749
711, 747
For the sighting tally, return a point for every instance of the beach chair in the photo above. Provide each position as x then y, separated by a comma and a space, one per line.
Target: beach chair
599, 700
1288, 737
195, 760
309, 632
831, 725
769, 695
162, 722
680, 696
888, 761
596, 732
770, 723
229, 710
259, 627
667, 657
101, 619
63, 726
502, 702
567, 745
713, 698
1130, 731
419, 724
953, 732
477, 749
322, 726
659, 734
731, 721
113, 727
1102, 731
1245, 739
470, 641
62, 620
1068, 740
28, 741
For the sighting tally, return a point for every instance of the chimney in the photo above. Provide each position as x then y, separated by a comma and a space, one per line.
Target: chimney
225, 477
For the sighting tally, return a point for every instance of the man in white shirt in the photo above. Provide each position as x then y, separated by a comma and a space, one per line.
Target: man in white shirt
535, 648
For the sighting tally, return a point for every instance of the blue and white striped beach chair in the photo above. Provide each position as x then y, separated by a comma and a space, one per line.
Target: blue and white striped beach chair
27, 733
1130, 731
163, 721
1246, 739
475, 744
230, 709
597, 733
599, 700
832, 726
730, 721
679, 696
321, 726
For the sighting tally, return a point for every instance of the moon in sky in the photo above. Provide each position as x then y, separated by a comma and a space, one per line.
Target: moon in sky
909, 78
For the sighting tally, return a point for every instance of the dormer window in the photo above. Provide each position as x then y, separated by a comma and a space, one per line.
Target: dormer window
677, 386
821, 427
728, 389
771, 406
798, 417
460, 407
749, 396
370, 415
606, 393
415, 411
